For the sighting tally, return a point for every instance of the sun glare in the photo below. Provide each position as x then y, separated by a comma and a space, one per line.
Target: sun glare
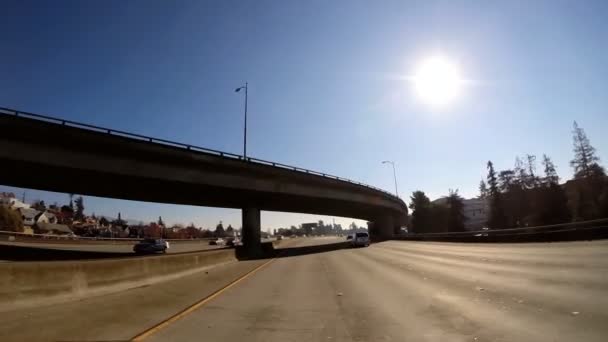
437, 81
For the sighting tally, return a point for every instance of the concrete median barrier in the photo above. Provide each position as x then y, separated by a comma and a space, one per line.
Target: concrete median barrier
31, 283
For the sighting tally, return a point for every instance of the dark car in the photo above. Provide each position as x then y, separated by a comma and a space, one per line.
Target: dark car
150, 246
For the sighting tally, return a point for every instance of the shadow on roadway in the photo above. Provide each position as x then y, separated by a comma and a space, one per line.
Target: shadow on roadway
25, 253
269, 252
22, 253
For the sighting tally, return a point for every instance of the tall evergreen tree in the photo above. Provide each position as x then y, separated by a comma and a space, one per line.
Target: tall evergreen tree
79, 212
550, 172
531, 179
590, 175
160, 221
552, 201
585, 161
497, 216
521, 175
506, 180
483, 189
219, 230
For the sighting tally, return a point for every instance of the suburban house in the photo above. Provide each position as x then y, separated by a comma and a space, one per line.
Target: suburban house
50, 217
13, 203
53, 228
28, 216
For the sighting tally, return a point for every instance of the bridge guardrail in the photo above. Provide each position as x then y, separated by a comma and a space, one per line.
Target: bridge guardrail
165, 142
599, 224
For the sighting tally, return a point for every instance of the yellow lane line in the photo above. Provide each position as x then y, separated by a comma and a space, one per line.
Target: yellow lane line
153, 330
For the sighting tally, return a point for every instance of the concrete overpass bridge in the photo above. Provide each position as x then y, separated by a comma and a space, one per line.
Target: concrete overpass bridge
51, 154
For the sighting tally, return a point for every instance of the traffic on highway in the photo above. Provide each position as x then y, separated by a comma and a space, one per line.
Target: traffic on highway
295, 171
395, 290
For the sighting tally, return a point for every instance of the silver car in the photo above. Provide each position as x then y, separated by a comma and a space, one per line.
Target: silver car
360, 240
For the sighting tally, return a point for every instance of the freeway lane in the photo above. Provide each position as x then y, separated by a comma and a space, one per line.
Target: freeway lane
391, 291
122, 247
412, 291
119, 247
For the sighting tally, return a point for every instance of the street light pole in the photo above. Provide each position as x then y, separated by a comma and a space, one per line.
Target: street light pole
245, 127
394, 174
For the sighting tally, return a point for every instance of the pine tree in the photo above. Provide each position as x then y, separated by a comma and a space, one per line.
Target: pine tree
552, 201
585, 162
590, 175
79, 213
521, 175
497, 217
506, 180
219, 230
532, 179
160, 222
483, 189
492, 181
550, 172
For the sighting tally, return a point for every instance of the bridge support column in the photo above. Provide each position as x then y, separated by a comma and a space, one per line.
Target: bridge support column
251, 234
384, 227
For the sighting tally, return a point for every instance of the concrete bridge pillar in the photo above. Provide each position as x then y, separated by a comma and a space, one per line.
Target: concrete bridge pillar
384, 227
251, 234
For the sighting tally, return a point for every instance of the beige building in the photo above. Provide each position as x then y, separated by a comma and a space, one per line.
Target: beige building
476, 211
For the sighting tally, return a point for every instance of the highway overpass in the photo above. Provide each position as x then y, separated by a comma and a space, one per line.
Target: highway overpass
51, 154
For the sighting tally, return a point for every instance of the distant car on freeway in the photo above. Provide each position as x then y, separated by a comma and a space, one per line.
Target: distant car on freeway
151, 246
232, 242
218, 241
485, 229
360, 240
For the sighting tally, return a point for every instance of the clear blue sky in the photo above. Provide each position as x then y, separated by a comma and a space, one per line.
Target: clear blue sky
326, 83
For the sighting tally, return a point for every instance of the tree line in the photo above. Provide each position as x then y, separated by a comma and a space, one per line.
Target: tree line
522, 196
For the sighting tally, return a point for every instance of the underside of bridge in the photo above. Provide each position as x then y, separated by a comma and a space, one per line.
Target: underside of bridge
54, 157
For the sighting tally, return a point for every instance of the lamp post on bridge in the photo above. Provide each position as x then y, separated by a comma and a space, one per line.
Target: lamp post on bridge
245, 128
394, 174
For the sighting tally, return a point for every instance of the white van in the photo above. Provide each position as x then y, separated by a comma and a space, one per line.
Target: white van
360, 240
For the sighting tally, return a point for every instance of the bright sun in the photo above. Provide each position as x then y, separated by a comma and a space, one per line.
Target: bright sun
437, 81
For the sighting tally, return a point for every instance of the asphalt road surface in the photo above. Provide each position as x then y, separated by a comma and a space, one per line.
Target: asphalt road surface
392, 291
